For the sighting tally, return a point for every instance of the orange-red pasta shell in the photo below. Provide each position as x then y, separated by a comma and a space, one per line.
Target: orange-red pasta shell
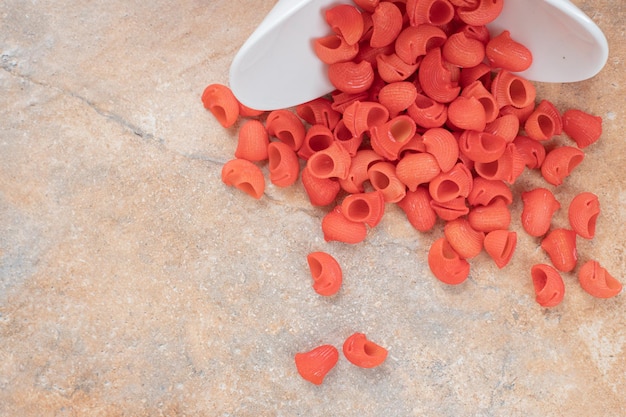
446, 264
583, 128
544, 122
331, 49
478, 90
452, 184
436, 78
416, 206
450, 210
428, 113
433, 12
442, 144
321, 191
286, 127
560, 162
252, 142
284, 165
336, 227
362, 352
361, 116
597, 281
351, 77
466, 241
481, 146
504, 52
548, 285
397, 96
532, 152
500, 245
357, 174
382, 176
387, 24
491, 217
480, 12
560, 245
467, 113
317, 138
485, 192
221, 102
346, 21
390, 138
463, 51
364, 207
326, 273
539, 207
510, 89
414, 169
319, 111
345, 138
332, 162
583, 213
415, 41
391, 68
367, 5
506, 126
313, 366
245, 176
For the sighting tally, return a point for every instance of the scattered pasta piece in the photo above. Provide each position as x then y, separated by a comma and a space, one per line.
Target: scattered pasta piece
363, 352
315, 364
597, 281
326, 273
548, 284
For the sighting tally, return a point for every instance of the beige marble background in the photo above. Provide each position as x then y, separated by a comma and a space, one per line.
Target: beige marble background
134, 283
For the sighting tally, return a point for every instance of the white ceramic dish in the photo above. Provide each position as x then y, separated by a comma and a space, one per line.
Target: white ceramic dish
277, 68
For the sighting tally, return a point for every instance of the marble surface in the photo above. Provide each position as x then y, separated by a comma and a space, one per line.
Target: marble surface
134, 283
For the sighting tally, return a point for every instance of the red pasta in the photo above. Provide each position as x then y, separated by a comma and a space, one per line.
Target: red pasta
397, 96
450, 210
418, 168
560, 245
389, 139
462, 50
346, 21
500, 245
467, 113
345, 138
336, 227
287, 127
493, 216
446, 264
350, 77
466, 241
391, 68
427, 112
532, 152
433, 12
332, 49
319, 112
484, 192
597, 281
583, 128
245, 176
253, 141
317, 138
583, 213
548, 284
510, 89
504, 52
221, 102
436, 77
326, 273
332, 162
315, 364
321, 191
506, 126
387, 24
363, 352
478, 90
442, 144
416, 206
559, 163
284, 165
480, 12
364, 207
539, 207
382, 176
361, 116
415, 41
452, 184
481, 146
544, 122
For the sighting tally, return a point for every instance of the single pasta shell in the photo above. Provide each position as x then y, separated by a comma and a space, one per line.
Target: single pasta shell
245, 176
560, 162
331, 49
544, 122
397, 96
345, 138
510, 89
332, 162
362, 352
253, 141
436, 79
446, 264
560, 245
346, 21
315, 364
391, 68
485, 192
548, 285
221, 102
491, 217
351, 77
433, 12
597, 281
583, 128
382, 176
416, 206
336, 227
442, 144
481, 146
466, 241
390, 138
321, 191
326, 273
387, 24
319, 111
506, 126
364, 207
583, 213
367, 5
504, 52
463, 51
539, 207
414, 169
533, 152
467, 113
450, 210
317, 138
284, 165
286, 127
427, 112
478, 90
500, 245
452, 184
360, 116
415, 41
480, 12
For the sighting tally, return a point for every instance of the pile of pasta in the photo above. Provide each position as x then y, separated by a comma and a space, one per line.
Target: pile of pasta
430, 114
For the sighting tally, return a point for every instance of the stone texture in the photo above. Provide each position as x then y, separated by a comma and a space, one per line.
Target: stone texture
134, 283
